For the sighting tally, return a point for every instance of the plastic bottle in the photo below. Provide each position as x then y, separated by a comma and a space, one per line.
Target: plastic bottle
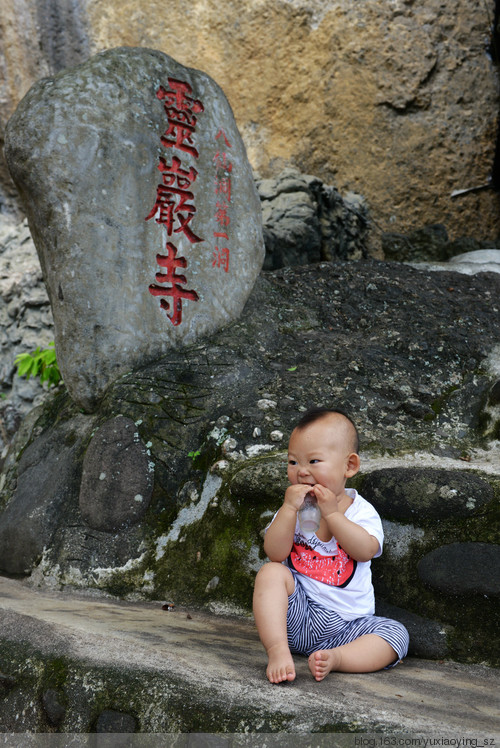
309, 514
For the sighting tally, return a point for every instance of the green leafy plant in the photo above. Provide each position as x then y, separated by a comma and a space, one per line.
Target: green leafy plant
40, 363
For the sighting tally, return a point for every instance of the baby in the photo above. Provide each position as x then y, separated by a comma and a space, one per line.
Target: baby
315, 597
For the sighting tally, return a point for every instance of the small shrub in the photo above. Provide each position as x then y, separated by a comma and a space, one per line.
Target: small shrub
40, 363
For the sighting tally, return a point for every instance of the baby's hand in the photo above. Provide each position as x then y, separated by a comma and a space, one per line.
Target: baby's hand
328, 502
294, 495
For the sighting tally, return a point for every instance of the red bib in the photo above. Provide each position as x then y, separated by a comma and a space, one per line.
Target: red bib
336, 571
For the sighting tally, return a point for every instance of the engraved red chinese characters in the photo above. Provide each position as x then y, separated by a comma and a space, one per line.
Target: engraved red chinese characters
223, 168
172, 263
181, 109
174, 207
172, 198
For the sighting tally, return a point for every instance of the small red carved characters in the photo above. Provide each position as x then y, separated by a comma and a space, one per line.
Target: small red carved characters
221, 258
223, 168
221, 215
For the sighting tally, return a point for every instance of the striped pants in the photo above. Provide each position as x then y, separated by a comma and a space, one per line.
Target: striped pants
311, 627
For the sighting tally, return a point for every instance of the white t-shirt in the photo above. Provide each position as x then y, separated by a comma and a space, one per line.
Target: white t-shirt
331, 577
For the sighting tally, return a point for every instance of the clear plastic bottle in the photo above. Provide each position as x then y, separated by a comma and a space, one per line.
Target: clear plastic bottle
309, 514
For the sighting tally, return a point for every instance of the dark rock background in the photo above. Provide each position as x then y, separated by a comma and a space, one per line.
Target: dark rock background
413, 354
307, 221
304, 220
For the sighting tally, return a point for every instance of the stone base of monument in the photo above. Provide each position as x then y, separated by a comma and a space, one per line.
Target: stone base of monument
78, 664
164, 491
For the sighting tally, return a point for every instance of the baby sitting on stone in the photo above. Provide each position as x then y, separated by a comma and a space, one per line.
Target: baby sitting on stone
316, 597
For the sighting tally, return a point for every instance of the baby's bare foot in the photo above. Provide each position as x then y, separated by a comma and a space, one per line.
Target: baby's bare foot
280, 666
323, 662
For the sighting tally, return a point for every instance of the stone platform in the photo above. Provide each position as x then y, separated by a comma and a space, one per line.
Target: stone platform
78, 664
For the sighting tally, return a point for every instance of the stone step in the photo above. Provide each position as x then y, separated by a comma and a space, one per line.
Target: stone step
69, 662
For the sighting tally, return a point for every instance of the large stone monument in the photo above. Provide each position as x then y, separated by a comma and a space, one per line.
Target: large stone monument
143, 208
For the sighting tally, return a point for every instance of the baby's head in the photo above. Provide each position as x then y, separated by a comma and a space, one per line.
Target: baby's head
335, 418
323, 449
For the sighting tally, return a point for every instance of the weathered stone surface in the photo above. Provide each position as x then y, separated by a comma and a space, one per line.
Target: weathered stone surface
307, 221
49, 471
265, 476
427, 638
488, 260
6, 682
88, 188
463, 569
432, 243
370, 336
117, 478
395, 100
26, 318
428, 243
470, 263
400, 538
53, 705
117, 722
422, 494
186, 671
494, 396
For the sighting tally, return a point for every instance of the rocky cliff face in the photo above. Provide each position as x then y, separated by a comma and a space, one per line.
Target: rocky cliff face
393, 99
163, 491
163, 488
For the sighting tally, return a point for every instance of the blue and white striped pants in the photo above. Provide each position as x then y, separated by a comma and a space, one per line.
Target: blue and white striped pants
311, 627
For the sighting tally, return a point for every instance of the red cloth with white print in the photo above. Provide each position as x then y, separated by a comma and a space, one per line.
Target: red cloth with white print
336, 570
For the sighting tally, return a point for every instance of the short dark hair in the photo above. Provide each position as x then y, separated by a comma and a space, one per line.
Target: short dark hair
314, 414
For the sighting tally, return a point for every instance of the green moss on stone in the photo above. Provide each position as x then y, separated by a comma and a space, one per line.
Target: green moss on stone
55, 673
212, 558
